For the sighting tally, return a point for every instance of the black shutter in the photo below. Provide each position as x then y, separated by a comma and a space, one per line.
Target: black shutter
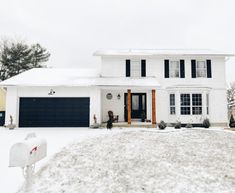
182, 71
143, 68
193, 68
166, 62
128, 68
208, 66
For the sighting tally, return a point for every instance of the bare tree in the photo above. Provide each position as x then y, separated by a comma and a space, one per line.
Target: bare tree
231, 99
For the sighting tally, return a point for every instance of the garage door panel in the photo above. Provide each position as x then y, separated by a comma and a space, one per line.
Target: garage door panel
54, 112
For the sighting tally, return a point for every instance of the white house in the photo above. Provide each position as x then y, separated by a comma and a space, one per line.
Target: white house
169, 85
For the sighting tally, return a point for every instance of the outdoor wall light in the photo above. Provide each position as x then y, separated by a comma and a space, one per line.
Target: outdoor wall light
51, 92
118, 96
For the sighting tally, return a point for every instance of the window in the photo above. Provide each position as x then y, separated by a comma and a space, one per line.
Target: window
188, 107
197, 104
185, 104
174, 70
135, 102
207, 104
201, 70
172, 104
135, 69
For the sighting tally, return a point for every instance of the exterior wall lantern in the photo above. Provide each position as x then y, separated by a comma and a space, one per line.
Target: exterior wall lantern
118, 96
52, 92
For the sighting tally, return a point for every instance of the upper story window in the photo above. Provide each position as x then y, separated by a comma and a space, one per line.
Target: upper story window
174, 68
135, 68
201, 68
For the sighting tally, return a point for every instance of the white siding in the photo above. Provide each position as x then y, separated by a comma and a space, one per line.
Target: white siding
216, 86
117, 105
13, 95
116, 67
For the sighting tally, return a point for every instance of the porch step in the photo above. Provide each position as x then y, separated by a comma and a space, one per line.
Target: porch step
135, 124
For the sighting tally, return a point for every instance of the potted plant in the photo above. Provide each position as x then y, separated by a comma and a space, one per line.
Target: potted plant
143, 116
110, 121
188, 125
162, 125
178, 125
206, 123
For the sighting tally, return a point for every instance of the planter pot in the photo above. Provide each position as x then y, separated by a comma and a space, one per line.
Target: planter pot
95, 126
11, 126
232, 125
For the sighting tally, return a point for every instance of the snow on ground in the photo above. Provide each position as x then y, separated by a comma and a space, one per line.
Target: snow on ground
144, 160
11, 179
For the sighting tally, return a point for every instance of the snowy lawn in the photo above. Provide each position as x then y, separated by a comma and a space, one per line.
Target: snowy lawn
11, 179
144, 160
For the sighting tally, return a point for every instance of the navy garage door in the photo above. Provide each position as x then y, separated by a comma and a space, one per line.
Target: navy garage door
54, 112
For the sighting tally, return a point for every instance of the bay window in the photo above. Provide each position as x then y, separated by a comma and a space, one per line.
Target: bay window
172, 104
197, 104
191, 104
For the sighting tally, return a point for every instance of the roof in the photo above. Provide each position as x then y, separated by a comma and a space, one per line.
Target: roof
162, 52
73, 77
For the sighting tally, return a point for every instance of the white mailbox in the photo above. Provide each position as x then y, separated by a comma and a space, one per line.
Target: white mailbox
27, 152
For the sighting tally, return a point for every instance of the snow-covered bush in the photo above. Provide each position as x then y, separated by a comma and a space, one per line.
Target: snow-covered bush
178, 125
162, 125
189, 125
206, 123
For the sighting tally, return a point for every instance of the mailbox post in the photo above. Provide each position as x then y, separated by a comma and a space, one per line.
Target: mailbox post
26, 153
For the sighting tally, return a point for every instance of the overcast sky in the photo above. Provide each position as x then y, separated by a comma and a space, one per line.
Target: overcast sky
73, 29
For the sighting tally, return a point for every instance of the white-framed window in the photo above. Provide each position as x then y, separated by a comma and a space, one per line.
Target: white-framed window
185, 102
201, 70
172, 104
207, 104
191, 104
174, 69
196, 104
135, 68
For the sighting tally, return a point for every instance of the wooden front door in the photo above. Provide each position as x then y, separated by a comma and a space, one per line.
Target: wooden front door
138, 105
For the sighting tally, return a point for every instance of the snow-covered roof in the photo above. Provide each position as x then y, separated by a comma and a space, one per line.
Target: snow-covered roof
73, 77
161, 52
